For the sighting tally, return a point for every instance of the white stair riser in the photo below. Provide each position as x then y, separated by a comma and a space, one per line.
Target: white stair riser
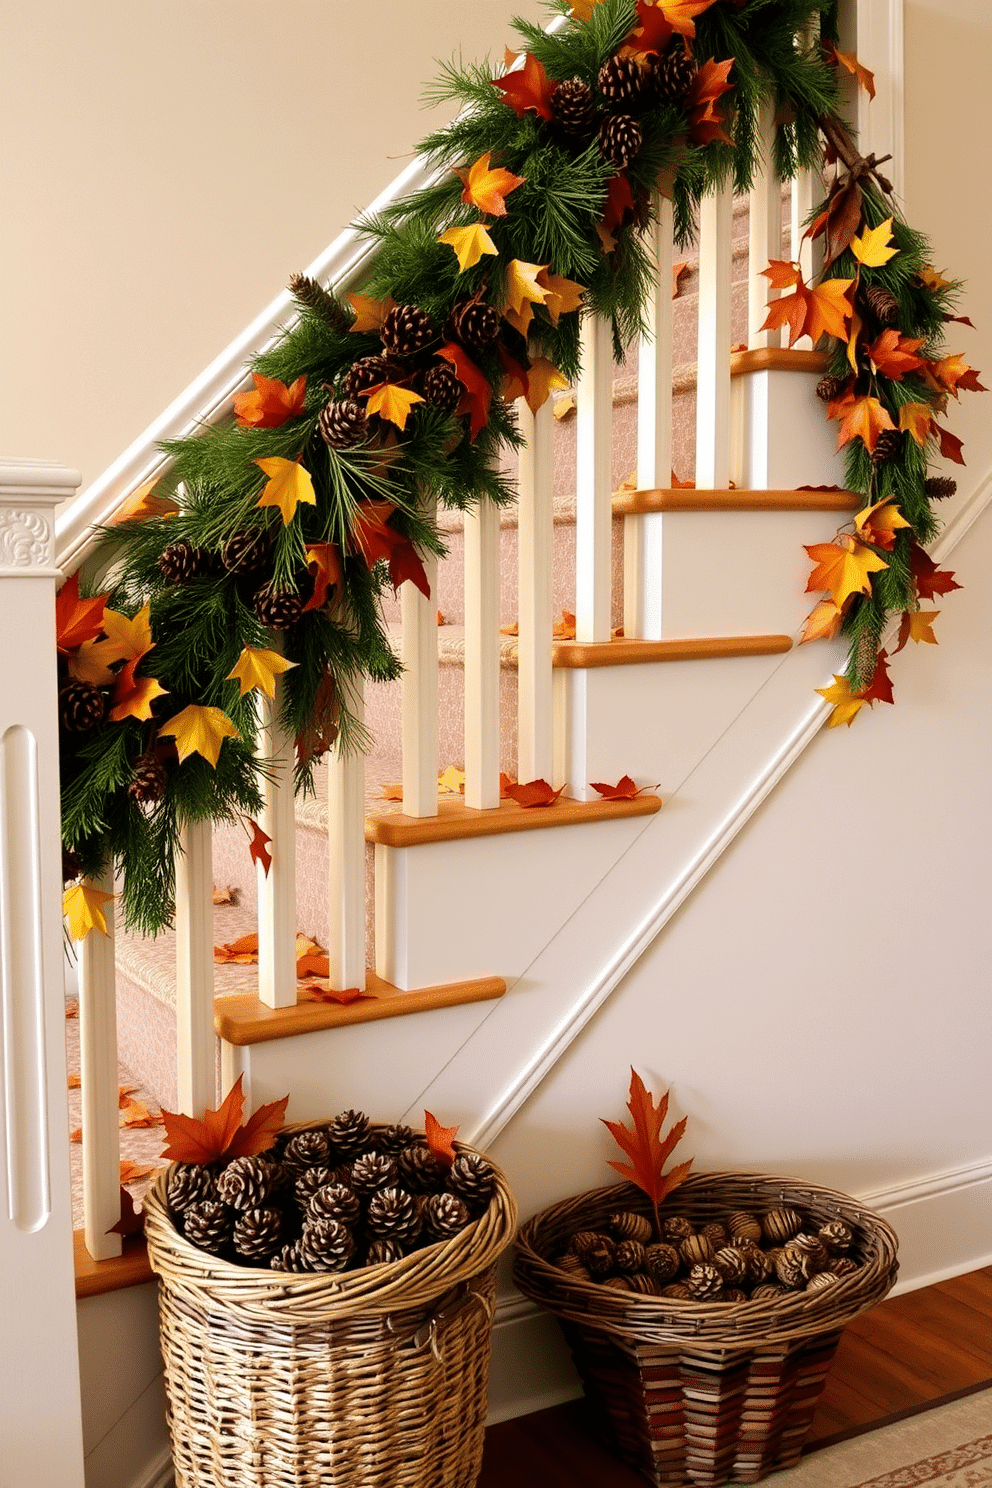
782, 437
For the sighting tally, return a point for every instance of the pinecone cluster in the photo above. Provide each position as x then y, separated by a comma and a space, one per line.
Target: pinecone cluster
329, 1198
743, 1257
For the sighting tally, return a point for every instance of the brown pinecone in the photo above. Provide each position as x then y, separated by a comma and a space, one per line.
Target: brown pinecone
246, 551
372, 1171
81, 707
821, 1280
790, 1268
939, 488
317, 299
334, 1201
445, 1216
247, 1183
308, 1149
626, 1225
475, 324
630, 1256
384, 1253
472, 1179
393, 1215
716, 1233
574, 1267
208, 1225
599, 1261
678, 1291
343, 424
367, 372
620, 138
768, 1291
638, 1282
620, 81
696, 1250
829, 388
673, 74
812, 1250
842, 1266
148, 780
393, 1139
180, 561
289, 1258
277, 611
189, 1183
675, 1229
309, 1181
349, 1132
326, 1245
420, 1170
704, 1282
441, 388
882, 304
887, 445
836, 1236
780, 1225
257, 1233
585, 1240
72, 865
661, 1262
760, 1263
744, 1226
573, 107
731, 1264
406, 330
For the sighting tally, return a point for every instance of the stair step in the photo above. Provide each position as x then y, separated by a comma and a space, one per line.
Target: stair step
456, 822
620, 652
630, 503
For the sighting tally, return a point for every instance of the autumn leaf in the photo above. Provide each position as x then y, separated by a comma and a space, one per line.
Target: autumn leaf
469, 243
533, 793
226, 895
879, 524
133, 696
853, 66
440, 1139
542, 379
478, 394
872, 248
135, 1115
564, 627
930, 580
143, 503
917, 626
77, 620
879, 689
221, 1133
934, 280
584, 8
562, 296
782, 274
259, 667
706, 120
950, 444
74, 1081
517, 381
953, 372
320, 990
240, 952
895, 354
199, 730
678, 270
132, 1220
392, 792
88, 663
829, 309
288, 486
451, 781
259, 1131
128, 639
488, 187
258, 847
846, 704
823, 623
864, 420
523, 285
528, 88
82, 906
392, 402
369, 314
790, 310
132, 1172
644, 1146
370, 533
624, 790
506, 784
840, 219
320, 732
917, 418
842, 567
324, 562
271, 404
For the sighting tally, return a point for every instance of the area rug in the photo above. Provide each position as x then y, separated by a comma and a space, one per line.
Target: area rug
947, 1447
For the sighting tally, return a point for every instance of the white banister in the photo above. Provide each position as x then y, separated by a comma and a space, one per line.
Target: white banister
277, 888
40, 1423
764, 234
482, 657
806, 191
195, 1043
346, 848
535, 537
713, 376
420, 737
593, 491
642, 535
101, 1141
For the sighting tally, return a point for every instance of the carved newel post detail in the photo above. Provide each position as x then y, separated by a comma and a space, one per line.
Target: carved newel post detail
40, 1424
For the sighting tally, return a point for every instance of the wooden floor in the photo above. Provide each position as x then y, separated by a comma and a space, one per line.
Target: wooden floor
909, 1353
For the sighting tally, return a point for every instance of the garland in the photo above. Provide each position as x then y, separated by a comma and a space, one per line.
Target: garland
265, 548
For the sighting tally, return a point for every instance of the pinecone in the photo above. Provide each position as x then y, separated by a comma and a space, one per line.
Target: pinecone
289, 1258
247, 1183
812, 1251
441, 388
308, 1183
836, 1236
72, 865
180, 561
716, 1233
246, 551
585, 1240
678, 1290
189, 1183
704, 1283
392, 1215
621, 80
349, 1131
572, 1265
277, 611
661, 1262
630, 1256
308, 1149
696, 1250
675, 1229
760, 1264
673, 74
842, 1266
420, 1170
887, 445
620, 138
343, 424
475, 324
393, 1139
372, 1171
384, 1253
630, 1226
599, 1261
366, 373
821, 1281
474, 1181
768, 1291
780, 1225
407, 330
148, 780
81, 707
882, 304
790, 1269
317, 299
638, 1282
573, 107
445, 1216
829, 388
334, 1201
208, 1224
938, 488
744, 1226
326, 1245
258, 1233
731, 1264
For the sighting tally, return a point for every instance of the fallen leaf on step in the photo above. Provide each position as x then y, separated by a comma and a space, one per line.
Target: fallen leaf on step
222, 1133
392, 792
532, 793
440, 619
311, 959
241, 952
76, 1135
258, 847
132, 1221
681, 485
226, 895
564, 627
320, 990
511, 630
124, 1093
439, 1139
451, 781
136, 1114
624, 790
643, 1144
132, 1172
506, 784
72, 1009
819, 488
74, 1082
617, 632
677, 271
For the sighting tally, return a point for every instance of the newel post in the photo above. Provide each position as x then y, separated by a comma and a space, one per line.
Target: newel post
40, 1423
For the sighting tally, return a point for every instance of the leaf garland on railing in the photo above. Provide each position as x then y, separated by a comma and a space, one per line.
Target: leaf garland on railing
276, 531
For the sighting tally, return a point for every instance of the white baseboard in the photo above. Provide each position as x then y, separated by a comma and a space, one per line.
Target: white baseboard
944, 1225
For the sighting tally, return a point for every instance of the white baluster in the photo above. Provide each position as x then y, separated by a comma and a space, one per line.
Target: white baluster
764, 234
98, 1085
535, 535
805, 194
713, 384
642, 535
195, 1043
346, 846
420, 740
593, 512
277, 888
482, 656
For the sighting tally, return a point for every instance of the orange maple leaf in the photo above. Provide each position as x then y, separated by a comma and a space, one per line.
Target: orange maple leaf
506, 783
624, 790
258, 847
532, 793
132, 1172
440, 1139
143, 503
843, 567
324, 562
706, 120
222, 1133
829, 309
953, 372
854, 67
320, 990
823, 622
917, 418
879, 524
487, 188
644, 1145
895, 354
77, 620
527, 88
240, 952
133, 696
865, 419
271, 404
564, 627
369, 313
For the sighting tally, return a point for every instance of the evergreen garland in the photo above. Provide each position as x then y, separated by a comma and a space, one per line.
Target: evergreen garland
272, 536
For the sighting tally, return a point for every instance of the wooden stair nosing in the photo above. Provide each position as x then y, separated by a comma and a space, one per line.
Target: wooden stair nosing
622, 652
457, 822
690, 499
778, 359
130, 1268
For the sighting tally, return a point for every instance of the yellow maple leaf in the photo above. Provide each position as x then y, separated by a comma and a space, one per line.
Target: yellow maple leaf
878, 524
393, 403
451, 781
933, 280
920, 626
847, 704
823, 622
82, 906
842, 567
392, 792
469, 243
133, 696
143, 503
584, 9
127, 639
917, 418
200, 730
259, 667
88, 664
872, 247
288, 486
523, 285
369, 314
542, 379
562, 295
487, 188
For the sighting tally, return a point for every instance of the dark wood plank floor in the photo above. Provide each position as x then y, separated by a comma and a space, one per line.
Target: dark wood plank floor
909, 1353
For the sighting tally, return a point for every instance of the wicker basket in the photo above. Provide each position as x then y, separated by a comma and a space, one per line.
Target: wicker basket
697, 1392
375, 1378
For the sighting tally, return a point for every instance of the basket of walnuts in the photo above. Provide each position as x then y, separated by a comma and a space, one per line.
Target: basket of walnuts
326, 1294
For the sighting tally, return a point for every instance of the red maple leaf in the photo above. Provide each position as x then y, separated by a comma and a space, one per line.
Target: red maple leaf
259, 847
440, 1139
624, 790
879, 689
644, 1145
405, 563
706, 120
271, 404
950, 445
132, 1221
77, 620
478, 394
532, 793
527, 88
928, 578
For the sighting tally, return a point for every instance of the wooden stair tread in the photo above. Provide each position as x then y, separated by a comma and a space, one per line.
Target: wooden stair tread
621, 652
689, 499
778, 359
240, 1018
129, 1269
456, 821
